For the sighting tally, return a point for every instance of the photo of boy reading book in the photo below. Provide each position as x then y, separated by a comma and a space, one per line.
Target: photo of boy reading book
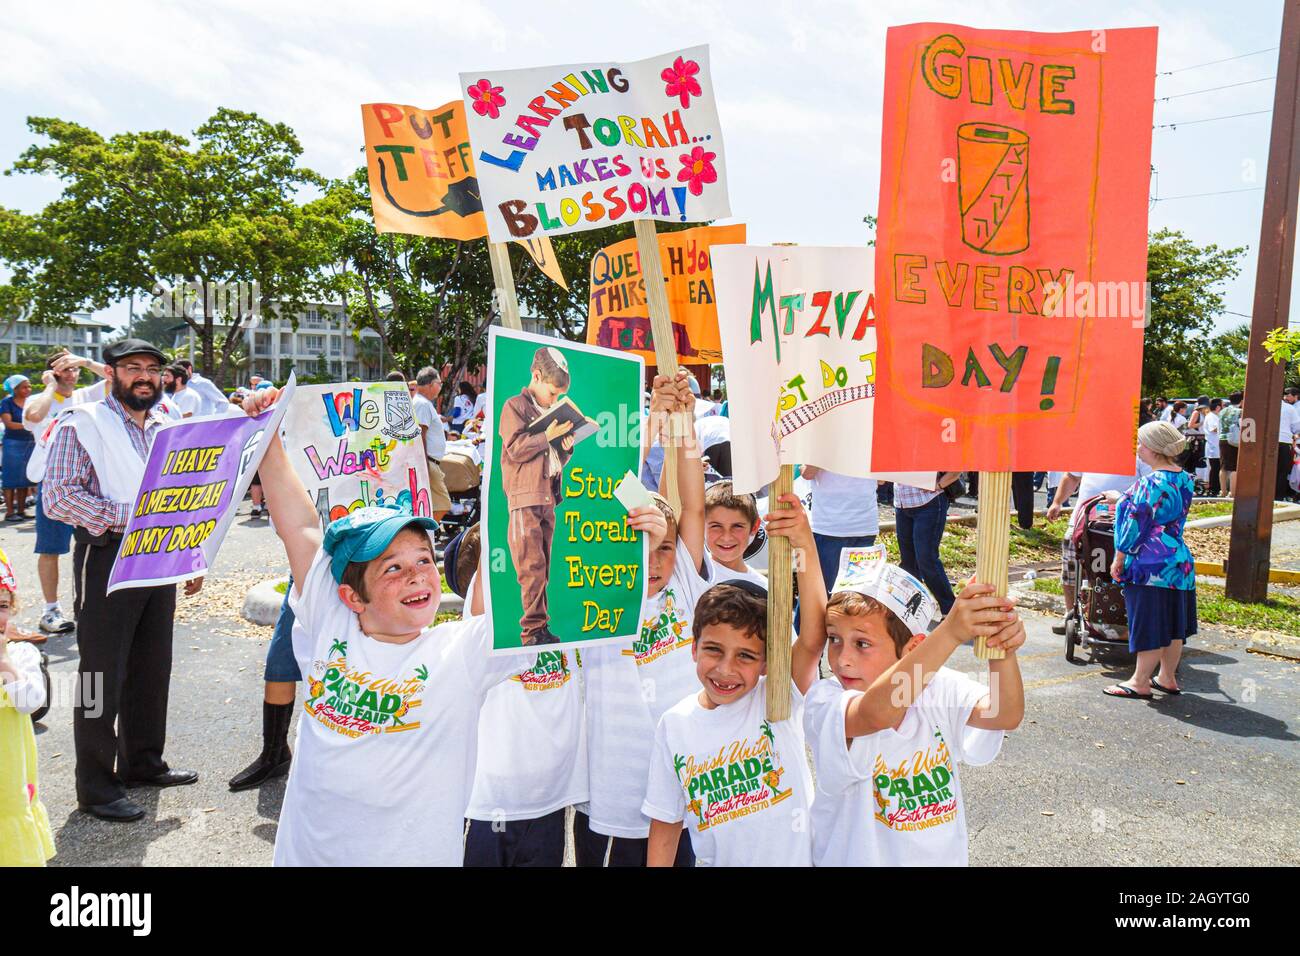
533, 455
565, 411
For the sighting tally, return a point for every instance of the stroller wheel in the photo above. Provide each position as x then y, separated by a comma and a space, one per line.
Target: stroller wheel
1071, 637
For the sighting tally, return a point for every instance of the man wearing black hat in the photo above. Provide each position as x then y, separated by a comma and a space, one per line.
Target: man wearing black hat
95, 466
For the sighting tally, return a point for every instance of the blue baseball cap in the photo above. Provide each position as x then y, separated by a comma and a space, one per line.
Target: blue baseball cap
365, 534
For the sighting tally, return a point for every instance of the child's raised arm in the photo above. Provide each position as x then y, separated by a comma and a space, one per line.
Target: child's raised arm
690, 470
792, 522
1003, 707
977, 611
296, 520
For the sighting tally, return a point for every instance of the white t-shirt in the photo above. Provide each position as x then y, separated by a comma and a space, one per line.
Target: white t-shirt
187, 401
208, 393
894, 798
1210, 425
741, 784
1092, 483
384, 759
1167, 414
1289, 423
629, 687
844, 507
95, 392
435, 438
719, 573
532, 745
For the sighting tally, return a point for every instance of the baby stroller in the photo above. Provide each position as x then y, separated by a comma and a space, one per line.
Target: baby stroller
1098, 614
1193, 461
463, 478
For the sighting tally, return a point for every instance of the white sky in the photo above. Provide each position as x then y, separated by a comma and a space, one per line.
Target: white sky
798, 85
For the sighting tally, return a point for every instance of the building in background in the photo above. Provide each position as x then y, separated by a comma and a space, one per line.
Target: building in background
85, 336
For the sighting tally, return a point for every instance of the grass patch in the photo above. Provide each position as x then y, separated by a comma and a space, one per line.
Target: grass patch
445, 616
1209, 509
281, 587
1281, 612
1048, 585
957, 547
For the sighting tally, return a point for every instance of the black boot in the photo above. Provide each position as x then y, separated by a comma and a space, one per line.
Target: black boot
274, 759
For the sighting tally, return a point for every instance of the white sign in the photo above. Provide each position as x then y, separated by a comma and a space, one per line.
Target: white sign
566, 148
798, 328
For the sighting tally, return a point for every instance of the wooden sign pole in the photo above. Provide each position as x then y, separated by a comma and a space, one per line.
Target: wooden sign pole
780, 603
504, 281
993, 542
661, 327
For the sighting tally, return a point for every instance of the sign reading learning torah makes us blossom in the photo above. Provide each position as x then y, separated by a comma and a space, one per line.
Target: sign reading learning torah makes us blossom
798, 328
1011, 259
566, 148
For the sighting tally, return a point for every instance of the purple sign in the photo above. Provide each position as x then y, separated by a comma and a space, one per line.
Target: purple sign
197, 473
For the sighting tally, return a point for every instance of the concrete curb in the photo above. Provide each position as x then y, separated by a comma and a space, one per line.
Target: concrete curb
262, 603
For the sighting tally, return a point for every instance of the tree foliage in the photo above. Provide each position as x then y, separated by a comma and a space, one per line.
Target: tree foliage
142, 210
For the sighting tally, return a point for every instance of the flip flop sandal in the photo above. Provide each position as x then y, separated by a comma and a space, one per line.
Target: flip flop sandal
1165, 690
1125, 693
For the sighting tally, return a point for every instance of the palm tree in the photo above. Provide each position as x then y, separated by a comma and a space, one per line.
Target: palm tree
340, 646
678, 763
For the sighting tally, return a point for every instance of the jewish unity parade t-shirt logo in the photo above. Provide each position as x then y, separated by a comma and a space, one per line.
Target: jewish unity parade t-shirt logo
661, 633
549, 672
356, 703
740, 779
917, 794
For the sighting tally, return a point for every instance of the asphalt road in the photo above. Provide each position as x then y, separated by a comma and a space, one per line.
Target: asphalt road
1204, 779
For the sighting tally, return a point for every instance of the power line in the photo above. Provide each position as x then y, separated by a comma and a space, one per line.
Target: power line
1226, 59
1221, 192
1211, 89
1210, 119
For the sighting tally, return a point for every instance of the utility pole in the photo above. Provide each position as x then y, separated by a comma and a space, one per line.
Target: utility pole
1252, 514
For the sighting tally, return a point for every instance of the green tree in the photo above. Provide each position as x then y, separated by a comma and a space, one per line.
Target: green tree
1185, 282
142, 210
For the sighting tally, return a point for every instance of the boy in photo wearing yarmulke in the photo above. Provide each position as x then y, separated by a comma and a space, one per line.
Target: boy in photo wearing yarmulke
888, 731
530, 475
739, 781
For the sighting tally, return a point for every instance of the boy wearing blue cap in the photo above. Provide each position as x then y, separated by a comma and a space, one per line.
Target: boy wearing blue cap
888, 731
386, 744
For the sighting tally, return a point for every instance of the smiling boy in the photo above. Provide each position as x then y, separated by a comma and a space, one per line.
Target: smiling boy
730, 523
888, 731
386, 742
740, 781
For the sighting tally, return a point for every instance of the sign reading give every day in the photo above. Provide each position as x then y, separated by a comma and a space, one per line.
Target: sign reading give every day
567, 148
1011, 260
798, 328
619, 317
197, 473
422, 181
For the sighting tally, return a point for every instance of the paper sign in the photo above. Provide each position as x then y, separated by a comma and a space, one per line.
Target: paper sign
561, 556
799, 345
1011, 258
197, 473
355, 445
566, 148
422, 180
632, 494
619, 318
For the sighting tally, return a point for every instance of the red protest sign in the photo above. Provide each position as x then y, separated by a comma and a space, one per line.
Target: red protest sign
1011, 260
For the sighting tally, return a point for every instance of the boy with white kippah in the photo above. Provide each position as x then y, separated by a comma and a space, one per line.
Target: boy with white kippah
888, 731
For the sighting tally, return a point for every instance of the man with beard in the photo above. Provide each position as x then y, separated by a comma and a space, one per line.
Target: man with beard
94, 469
184, 399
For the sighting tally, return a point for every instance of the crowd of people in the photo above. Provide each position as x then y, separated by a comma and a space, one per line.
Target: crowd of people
515, 749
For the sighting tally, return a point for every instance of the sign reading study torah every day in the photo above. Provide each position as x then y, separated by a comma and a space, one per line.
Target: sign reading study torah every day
1011, 258
567, 148
561, 558
196, 475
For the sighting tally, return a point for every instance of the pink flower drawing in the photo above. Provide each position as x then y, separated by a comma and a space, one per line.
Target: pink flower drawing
681, 81
697, 169
487, 99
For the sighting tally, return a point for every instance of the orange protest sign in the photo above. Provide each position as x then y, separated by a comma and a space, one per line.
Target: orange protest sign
1011, 260
422, 179
619, 318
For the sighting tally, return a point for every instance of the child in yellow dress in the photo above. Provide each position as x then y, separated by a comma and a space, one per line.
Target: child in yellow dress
24, 827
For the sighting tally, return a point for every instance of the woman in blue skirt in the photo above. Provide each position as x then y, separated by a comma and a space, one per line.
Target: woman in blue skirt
17, 447
1154, 565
